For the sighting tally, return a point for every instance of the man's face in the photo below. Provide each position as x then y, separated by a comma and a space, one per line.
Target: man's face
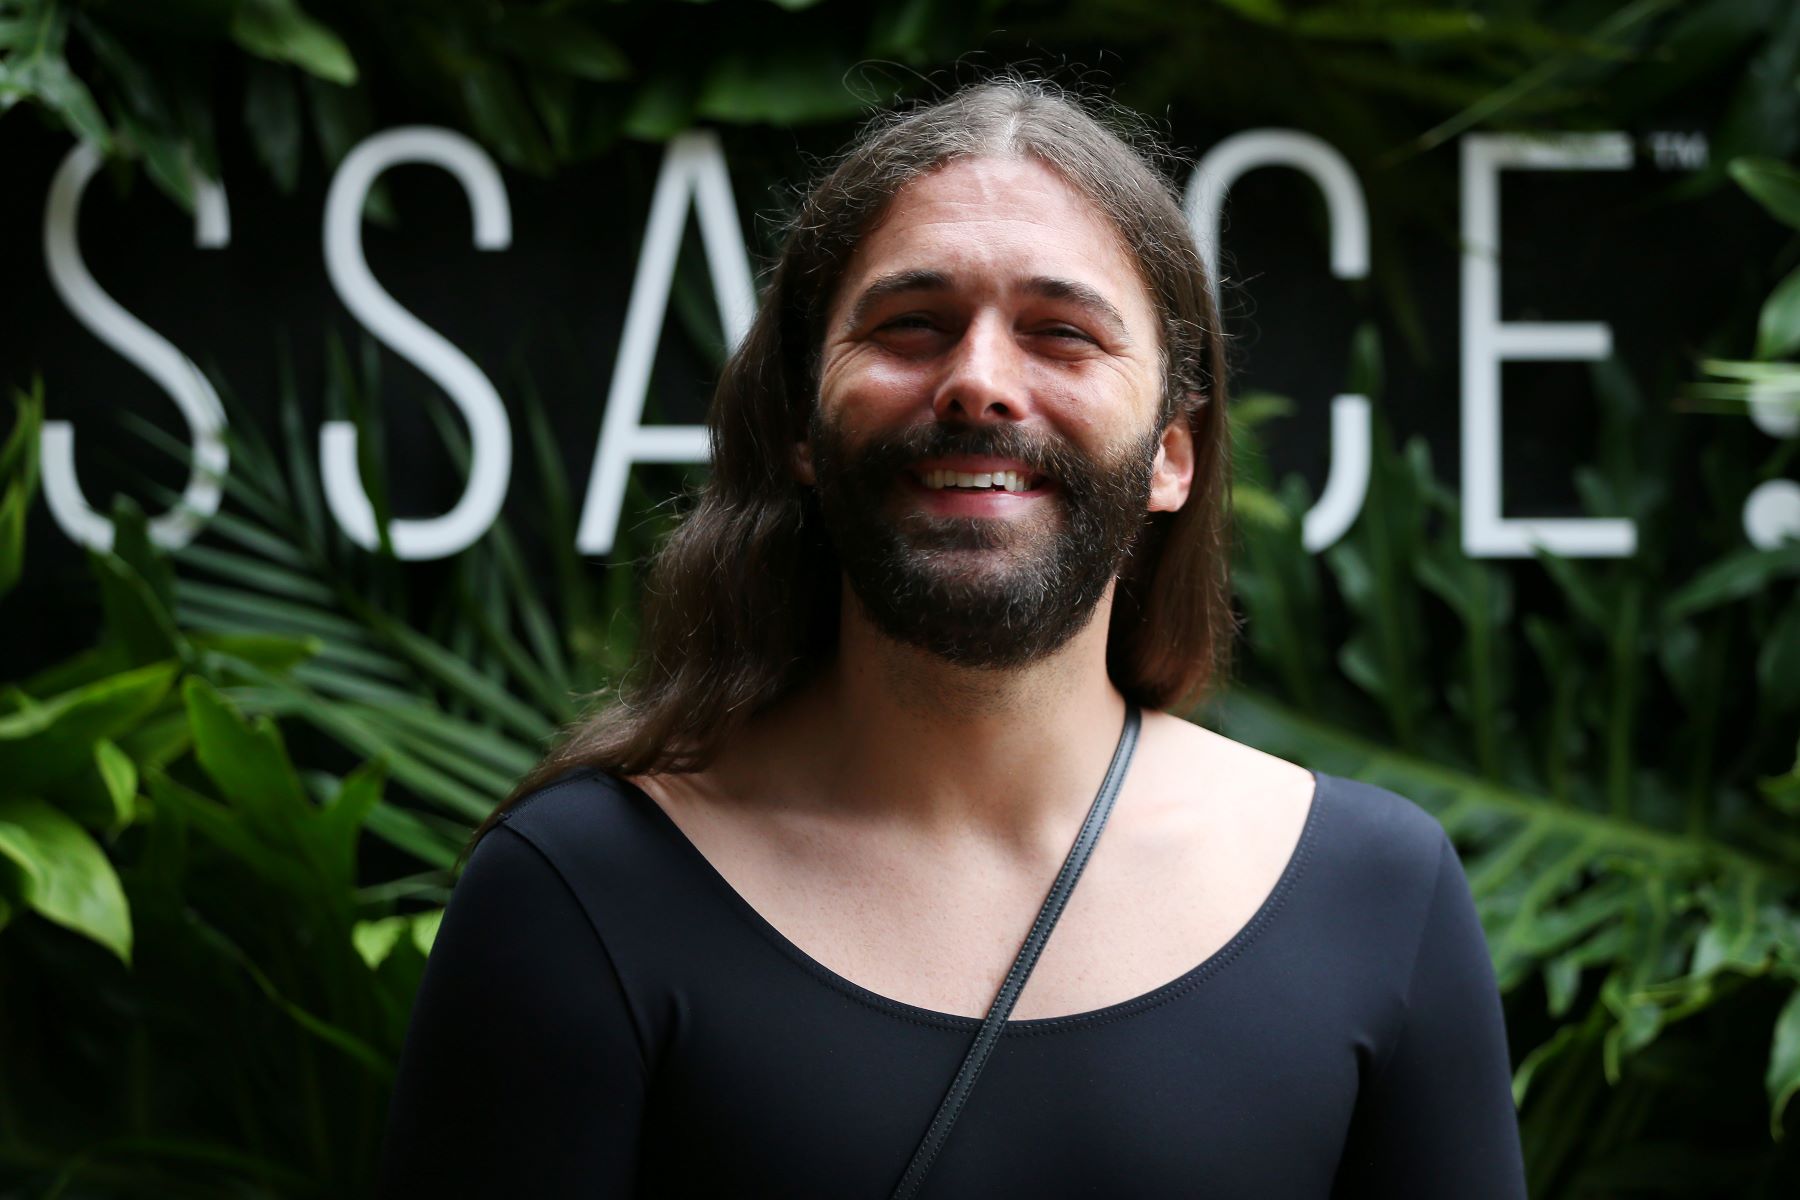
987, 439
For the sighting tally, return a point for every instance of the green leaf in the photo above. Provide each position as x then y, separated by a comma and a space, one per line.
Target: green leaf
341, 822
561, 43
1778, 325
502, 116
272, 115
231, 831
1538, 1057
425, 929
50, 82
1773, 184
248, 763
118, 777
1737, 575
66, 875
375, 940
271, 651
355, 1047
52, 740
788, 85
1783, 1076
1778, 663
280, 31
19, 481
135, 618
661, 107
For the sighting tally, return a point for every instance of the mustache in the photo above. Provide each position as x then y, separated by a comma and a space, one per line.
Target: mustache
1044, 455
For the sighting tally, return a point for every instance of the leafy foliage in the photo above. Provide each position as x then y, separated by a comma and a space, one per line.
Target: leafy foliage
1622, 815
201, 991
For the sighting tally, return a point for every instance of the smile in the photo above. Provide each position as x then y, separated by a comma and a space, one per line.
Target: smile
979, 481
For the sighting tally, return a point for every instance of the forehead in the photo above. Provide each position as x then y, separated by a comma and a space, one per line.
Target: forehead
992, 224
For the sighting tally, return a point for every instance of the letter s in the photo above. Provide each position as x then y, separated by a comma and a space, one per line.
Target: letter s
490, 435
142, 346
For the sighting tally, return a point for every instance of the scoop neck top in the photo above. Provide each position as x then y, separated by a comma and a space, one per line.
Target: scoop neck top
615, 1019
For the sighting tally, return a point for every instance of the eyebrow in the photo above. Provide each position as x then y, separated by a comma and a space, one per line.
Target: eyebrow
1046, 287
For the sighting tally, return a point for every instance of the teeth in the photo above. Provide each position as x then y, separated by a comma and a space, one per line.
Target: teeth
1011, 481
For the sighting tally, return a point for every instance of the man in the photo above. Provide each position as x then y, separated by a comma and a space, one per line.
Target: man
967, 506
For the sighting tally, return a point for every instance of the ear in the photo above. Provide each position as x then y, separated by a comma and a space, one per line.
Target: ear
801, 464
1172, 474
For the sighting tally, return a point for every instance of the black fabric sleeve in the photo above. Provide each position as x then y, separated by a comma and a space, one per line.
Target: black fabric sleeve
522, 1074
1436, 1117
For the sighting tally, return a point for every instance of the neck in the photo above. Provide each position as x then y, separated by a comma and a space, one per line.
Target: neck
1013, 755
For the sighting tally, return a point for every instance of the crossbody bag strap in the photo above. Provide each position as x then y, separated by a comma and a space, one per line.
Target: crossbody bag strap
995, 1021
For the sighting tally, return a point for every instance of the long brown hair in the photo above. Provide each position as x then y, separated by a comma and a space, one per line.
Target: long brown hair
741, 603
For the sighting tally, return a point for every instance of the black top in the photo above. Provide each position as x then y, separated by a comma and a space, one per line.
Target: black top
603, 1015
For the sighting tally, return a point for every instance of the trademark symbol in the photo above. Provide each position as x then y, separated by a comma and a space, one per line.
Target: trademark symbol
1675, 151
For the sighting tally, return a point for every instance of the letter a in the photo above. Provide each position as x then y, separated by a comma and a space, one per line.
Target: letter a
693, 166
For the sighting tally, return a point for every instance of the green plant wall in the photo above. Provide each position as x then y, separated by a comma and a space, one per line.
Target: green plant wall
227, 828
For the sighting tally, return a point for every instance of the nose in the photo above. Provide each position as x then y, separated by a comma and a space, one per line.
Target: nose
984, 380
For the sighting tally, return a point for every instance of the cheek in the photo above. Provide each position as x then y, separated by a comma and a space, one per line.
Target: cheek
865, 382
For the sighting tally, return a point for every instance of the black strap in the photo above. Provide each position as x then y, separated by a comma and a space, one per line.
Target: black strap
995, 1021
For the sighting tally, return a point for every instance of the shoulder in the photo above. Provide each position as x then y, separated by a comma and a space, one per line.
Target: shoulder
1368, 838
580, 804
597, 832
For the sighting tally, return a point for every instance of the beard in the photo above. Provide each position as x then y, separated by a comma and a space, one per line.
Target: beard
987, 592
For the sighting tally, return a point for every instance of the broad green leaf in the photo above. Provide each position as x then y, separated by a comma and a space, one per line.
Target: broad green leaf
787, 85
50, 82
1774, 184
120, 775
158, 741
560, 43
1778, 326
270, 651
662, 107
167, 159
54, 739
502, 116
230, 831
376, 939
248, 763
280, 31
67, 876
1782, 1079
135, 619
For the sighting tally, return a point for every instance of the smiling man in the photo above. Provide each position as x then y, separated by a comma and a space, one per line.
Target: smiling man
962, 547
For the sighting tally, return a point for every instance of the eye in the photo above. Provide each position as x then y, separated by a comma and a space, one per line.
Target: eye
1067, 332
908, 321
